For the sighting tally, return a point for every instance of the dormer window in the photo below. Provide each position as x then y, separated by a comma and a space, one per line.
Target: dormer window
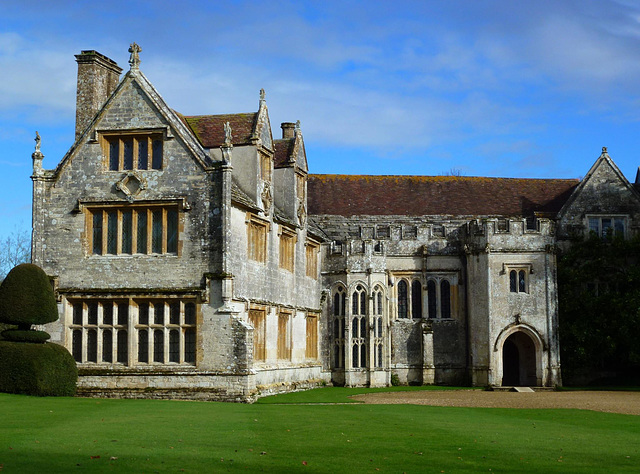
133, 151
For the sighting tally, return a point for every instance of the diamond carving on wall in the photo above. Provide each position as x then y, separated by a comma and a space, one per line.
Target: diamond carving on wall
131, 185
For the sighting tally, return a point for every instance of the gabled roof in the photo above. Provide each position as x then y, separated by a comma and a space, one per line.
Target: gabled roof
291, 151
347, 195
603, 160
209, 129
160, 105
284, 149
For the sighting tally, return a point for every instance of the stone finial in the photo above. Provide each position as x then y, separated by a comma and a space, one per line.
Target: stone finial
604, 150
297, 126
37, 157
263, 94
227, 134
134, 59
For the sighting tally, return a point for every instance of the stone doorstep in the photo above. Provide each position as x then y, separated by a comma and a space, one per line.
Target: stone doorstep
521, 389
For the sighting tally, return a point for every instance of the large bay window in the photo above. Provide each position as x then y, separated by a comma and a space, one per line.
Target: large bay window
133, 331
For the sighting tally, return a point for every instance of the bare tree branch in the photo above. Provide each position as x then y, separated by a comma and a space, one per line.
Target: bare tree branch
14, 250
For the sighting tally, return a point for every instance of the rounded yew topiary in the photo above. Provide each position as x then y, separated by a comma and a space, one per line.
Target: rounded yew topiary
28, 364
37, 369
26, 297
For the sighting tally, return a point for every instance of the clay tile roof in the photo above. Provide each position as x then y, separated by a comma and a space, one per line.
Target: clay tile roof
347, 195
209, 129
284, 148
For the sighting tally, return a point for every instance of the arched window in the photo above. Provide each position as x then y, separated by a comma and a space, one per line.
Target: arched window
431, 299
445, 299
513, 281
359, 328
359, 301
522, 283
402, 299
339, 307
416, 300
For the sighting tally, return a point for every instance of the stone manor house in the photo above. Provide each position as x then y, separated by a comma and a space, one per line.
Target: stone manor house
196, 257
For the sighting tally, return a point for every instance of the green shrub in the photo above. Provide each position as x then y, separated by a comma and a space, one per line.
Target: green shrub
395, 380
26, 297
18, 335
37, 369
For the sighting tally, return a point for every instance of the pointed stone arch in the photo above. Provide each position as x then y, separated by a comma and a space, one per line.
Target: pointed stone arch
519, 358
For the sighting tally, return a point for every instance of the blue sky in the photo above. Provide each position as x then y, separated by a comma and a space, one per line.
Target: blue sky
486, 88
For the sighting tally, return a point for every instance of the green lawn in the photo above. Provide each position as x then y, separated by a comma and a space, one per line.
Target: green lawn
74, 434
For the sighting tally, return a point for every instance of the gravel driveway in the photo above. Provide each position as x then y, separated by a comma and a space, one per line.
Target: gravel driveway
611, 402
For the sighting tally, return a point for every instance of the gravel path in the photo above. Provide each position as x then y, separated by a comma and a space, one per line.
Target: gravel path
611, 402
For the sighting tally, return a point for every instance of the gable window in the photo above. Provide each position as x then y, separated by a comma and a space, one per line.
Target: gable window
114, 230
607, 227
133, 152
311, 254
257, 235
287, 249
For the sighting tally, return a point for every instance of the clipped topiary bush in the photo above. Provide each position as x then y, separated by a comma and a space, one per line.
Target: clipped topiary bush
28, 364
37, 369
26, 297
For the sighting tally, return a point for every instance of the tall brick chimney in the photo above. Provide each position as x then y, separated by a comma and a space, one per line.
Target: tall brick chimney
98, 77
288, 129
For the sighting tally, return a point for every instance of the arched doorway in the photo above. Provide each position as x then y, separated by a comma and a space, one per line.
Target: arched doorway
518, 360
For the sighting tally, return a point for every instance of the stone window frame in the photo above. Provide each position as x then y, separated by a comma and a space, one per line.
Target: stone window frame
437, 283
339, 309
265, 162
109, 139
284, 336
591, 219
312, 252
287, 248
410, 304
518, 277
257, 318
311, 332
177, 331
301, 187
257, 237
377, 318
113, 219
359, 326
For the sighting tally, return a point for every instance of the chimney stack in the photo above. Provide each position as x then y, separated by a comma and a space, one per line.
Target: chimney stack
98, 77
288, 129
